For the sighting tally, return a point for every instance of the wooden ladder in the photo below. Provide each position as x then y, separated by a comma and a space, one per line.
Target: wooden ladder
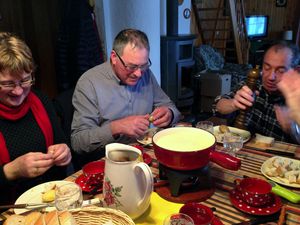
222, 27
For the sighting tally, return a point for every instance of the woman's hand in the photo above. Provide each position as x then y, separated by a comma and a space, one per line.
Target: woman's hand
61, 154
32, 164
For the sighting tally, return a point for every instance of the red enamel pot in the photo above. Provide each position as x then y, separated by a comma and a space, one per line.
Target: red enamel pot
188, 148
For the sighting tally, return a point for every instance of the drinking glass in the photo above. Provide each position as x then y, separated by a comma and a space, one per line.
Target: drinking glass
178, 219
232, 143
68, 196
206, 125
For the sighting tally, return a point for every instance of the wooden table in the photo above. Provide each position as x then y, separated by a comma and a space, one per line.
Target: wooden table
251, 165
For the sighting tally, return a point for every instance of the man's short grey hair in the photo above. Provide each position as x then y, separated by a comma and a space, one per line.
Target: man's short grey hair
137, 38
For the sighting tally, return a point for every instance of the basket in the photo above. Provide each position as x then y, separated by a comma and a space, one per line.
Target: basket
97, 215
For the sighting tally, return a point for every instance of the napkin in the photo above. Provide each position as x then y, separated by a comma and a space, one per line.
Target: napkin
158, 210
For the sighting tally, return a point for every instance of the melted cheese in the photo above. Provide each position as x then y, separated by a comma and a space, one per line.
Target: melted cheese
185, 142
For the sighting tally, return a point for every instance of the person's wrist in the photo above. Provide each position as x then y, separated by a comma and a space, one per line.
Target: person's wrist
10, 172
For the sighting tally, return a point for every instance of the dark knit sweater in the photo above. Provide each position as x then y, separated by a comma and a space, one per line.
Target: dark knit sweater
23, 136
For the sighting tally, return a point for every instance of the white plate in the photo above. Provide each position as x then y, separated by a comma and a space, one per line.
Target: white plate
219, 136
279, 180
34, 195
146, 139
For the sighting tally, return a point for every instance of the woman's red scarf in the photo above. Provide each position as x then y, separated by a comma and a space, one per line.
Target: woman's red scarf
33, 103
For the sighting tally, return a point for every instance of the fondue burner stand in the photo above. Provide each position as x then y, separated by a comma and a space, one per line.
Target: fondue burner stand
186, 185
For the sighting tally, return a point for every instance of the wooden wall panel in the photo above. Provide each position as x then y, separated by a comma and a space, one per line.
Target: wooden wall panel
36, 22
280, 18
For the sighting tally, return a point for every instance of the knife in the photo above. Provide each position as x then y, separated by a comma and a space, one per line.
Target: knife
260, 220
27, 205
273, 151
281, 153
285, 193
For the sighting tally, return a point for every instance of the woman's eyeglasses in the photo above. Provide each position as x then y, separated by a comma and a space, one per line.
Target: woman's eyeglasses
133, 68
9, 85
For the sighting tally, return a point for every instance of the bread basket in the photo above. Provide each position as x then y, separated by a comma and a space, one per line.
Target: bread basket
97, 215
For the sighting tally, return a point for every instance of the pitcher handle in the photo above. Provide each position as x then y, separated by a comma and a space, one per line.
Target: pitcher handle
148, 178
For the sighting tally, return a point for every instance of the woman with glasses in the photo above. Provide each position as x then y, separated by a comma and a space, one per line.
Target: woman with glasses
32, 148
114, 101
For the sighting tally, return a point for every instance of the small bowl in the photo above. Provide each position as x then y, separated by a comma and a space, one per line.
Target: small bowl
201, 214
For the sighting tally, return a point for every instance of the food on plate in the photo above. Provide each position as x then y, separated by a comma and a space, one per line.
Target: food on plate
284, 168
49, 194
219, 132
29, 219
263, 141
147, 137
224, 129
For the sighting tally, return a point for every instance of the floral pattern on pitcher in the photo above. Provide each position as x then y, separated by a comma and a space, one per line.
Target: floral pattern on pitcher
112, 194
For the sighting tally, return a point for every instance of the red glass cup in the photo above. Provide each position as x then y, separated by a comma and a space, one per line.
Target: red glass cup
201, 214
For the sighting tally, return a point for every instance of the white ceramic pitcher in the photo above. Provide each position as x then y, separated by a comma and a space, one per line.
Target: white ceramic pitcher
128, 182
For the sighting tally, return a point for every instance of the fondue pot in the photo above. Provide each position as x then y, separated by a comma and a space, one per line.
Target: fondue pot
188, 148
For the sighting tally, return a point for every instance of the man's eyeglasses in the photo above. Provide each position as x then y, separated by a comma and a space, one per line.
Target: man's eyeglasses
133, 68
9, 85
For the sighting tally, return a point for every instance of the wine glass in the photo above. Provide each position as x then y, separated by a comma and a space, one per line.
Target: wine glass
232, 143
206, 125
178, 219
68, 196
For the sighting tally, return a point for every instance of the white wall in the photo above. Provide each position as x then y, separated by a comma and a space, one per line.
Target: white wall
146, 15
183, 23
120, 14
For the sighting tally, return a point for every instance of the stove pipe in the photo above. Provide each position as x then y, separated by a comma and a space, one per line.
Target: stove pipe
172, 17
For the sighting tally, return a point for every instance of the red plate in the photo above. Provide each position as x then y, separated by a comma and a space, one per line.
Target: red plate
236, 200
82, 182
216, 221
147, 158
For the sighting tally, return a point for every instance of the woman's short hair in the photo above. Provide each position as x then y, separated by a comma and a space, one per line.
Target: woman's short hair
15, 55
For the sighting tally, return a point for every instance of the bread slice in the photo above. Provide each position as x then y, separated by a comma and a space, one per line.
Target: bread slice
66, 218
263, 141
40, 220
51, 218
15, 220
32, 217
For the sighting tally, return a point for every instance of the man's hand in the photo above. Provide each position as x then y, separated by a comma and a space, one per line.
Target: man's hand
161, 116
132, 126
241, 101
282, 115
289, 86
243, 98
